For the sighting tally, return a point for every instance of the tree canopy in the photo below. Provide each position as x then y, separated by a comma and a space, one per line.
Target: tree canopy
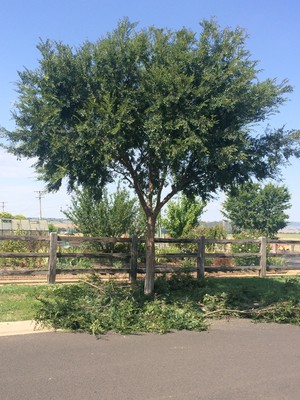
259, 209
167, 111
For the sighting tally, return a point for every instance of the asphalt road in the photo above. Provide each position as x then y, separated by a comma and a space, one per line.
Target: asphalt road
235, 360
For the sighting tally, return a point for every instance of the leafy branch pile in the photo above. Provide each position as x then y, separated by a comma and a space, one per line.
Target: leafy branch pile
97, 307
180, 302
283, 312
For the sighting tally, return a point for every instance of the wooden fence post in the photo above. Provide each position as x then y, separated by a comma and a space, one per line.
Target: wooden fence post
201, 257
52, 258
133, 259
263, 257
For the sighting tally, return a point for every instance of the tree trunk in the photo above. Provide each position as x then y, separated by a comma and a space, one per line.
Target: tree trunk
150, 255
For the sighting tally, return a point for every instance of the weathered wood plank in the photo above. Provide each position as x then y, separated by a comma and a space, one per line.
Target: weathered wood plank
65, 271
229, 269
24, 238
25, 272
176, 255
168, 240
285, 254
52, 258
207, 255
208, 268
86, 271
84, 239
276, 241
93, 255
210, 241
228, 241
263, 258
281, 267
23, 255
133, 258
231, 255
201, 257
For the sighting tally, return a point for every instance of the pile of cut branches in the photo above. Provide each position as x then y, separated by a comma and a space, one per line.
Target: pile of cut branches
179, 302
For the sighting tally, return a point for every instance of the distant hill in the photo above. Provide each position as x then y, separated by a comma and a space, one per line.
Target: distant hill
292, 227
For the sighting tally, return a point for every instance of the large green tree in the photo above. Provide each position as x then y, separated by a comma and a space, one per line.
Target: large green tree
182, 215
259, 209
168, 111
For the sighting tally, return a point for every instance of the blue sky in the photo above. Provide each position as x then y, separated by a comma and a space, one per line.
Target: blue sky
274, 40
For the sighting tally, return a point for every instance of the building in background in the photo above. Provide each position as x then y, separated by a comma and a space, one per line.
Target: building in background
34, 227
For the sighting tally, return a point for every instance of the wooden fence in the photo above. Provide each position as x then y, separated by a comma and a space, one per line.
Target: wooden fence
132, 260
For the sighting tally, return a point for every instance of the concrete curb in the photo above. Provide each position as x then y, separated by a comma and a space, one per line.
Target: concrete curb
21, 328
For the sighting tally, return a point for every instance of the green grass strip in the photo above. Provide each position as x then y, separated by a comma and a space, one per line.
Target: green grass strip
18, 302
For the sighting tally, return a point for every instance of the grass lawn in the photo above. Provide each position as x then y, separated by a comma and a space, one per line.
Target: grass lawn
17, 302
288, 236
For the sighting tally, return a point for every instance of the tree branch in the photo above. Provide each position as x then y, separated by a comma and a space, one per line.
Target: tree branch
128, 165
161, 186
165, 200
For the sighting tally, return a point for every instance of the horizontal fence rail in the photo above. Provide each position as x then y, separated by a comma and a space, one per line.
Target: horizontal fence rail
57, 248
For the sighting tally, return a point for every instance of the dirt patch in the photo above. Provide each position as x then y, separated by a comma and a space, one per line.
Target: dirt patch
74, 278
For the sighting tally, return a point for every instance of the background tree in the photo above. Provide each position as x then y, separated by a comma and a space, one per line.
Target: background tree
167, 111
19, 216
5, 214
182, 216
52, 228
258, 209
113, 215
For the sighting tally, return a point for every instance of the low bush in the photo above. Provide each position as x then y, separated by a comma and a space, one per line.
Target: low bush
209, 232
19, 246
246, 248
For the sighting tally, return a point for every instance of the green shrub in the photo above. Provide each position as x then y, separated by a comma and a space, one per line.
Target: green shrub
21, 246
253, 248
13, 246
209, 232
246, 248
276, 261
